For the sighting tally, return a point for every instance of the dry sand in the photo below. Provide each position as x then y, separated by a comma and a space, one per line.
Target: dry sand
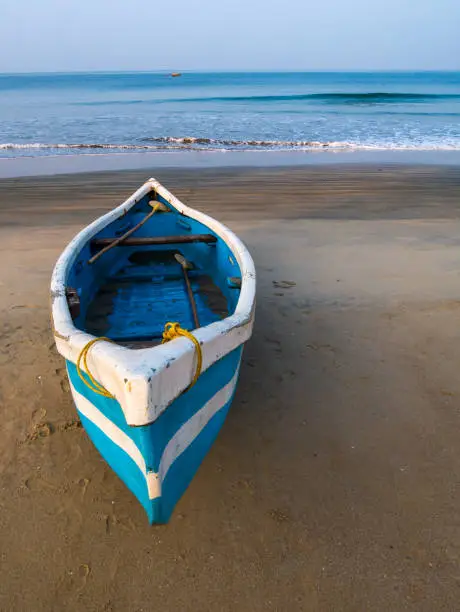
334, 483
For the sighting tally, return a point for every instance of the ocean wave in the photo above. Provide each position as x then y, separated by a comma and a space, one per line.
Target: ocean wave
377, 96
215, 143
170, 144
350, 98
336, 98
264, 144
7, 146
197, 143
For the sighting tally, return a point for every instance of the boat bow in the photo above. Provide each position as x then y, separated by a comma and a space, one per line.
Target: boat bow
146, 381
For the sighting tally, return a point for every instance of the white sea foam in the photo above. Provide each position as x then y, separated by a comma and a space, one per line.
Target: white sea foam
195, 143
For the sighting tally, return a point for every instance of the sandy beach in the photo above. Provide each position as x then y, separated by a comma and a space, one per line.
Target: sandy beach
334, 483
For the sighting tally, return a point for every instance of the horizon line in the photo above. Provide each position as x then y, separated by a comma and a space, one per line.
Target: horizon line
167, 71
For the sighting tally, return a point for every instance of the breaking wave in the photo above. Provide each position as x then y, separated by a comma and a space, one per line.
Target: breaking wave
197, 143
9, 146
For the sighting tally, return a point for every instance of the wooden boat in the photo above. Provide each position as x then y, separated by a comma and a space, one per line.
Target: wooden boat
151, 306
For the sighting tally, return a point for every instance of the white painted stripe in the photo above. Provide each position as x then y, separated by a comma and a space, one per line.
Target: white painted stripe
153, 484
181, 440
191, 429
118, 437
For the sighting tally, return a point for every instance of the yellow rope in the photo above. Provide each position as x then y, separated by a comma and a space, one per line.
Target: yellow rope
92, 383
171, 331
174, 330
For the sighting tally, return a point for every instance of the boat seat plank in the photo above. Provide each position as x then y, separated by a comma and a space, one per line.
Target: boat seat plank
154, 240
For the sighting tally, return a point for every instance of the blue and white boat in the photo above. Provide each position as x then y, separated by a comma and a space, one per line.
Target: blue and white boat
151, 306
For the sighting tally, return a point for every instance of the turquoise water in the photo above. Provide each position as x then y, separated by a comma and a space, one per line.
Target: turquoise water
48, 114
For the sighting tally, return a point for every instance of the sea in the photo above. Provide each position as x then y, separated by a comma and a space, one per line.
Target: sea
79, 113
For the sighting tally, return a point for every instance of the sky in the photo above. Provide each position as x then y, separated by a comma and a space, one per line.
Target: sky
85, 35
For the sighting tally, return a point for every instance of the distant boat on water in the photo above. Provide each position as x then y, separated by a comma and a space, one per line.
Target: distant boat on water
176, 74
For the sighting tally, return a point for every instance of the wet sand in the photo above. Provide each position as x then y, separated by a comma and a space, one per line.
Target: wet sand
334, 483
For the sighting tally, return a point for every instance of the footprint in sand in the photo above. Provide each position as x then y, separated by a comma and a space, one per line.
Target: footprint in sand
279, 516
246, 485
37, 482
39, 431
74, 579
284, 284
273, 341
321, 347
71, 425
288, 375
83, 483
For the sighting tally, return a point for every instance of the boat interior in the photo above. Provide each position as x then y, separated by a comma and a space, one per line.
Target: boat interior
151, 266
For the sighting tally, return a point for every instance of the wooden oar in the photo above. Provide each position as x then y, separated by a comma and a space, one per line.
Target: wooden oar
186, 265
155, 206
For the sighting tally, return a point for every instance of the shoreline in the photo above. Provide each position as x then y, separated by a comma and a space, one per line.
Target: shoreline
16, 167
332, 191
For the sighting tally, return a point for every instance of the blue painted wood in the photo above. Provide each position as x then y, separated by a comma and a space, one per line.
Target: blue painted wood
185, 467
138, 300
215, 260
142, 293
122, 465
152, 439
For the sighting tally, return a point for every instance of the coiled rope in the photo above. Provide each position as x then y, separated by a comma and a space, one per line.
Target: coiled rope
89, 379
174, 330
171, 331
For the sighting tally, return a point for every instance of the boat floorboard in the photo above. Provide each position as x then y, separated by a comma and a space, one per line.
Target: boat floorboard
133, 306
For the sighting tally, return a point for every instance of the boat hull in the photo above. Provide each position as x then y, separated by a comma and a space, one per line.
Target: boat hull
153, 269
157, 461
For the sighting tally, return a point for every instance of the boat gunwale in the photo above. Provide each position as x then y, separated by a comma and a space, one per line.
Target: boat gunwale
145, 381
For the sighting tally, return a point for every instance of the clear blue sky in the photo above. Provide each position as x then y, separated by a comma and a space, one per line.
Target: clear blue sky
61, 35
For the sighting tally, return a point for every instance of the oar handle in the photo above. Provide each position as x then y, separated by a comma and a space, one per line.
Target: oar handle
185, 266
